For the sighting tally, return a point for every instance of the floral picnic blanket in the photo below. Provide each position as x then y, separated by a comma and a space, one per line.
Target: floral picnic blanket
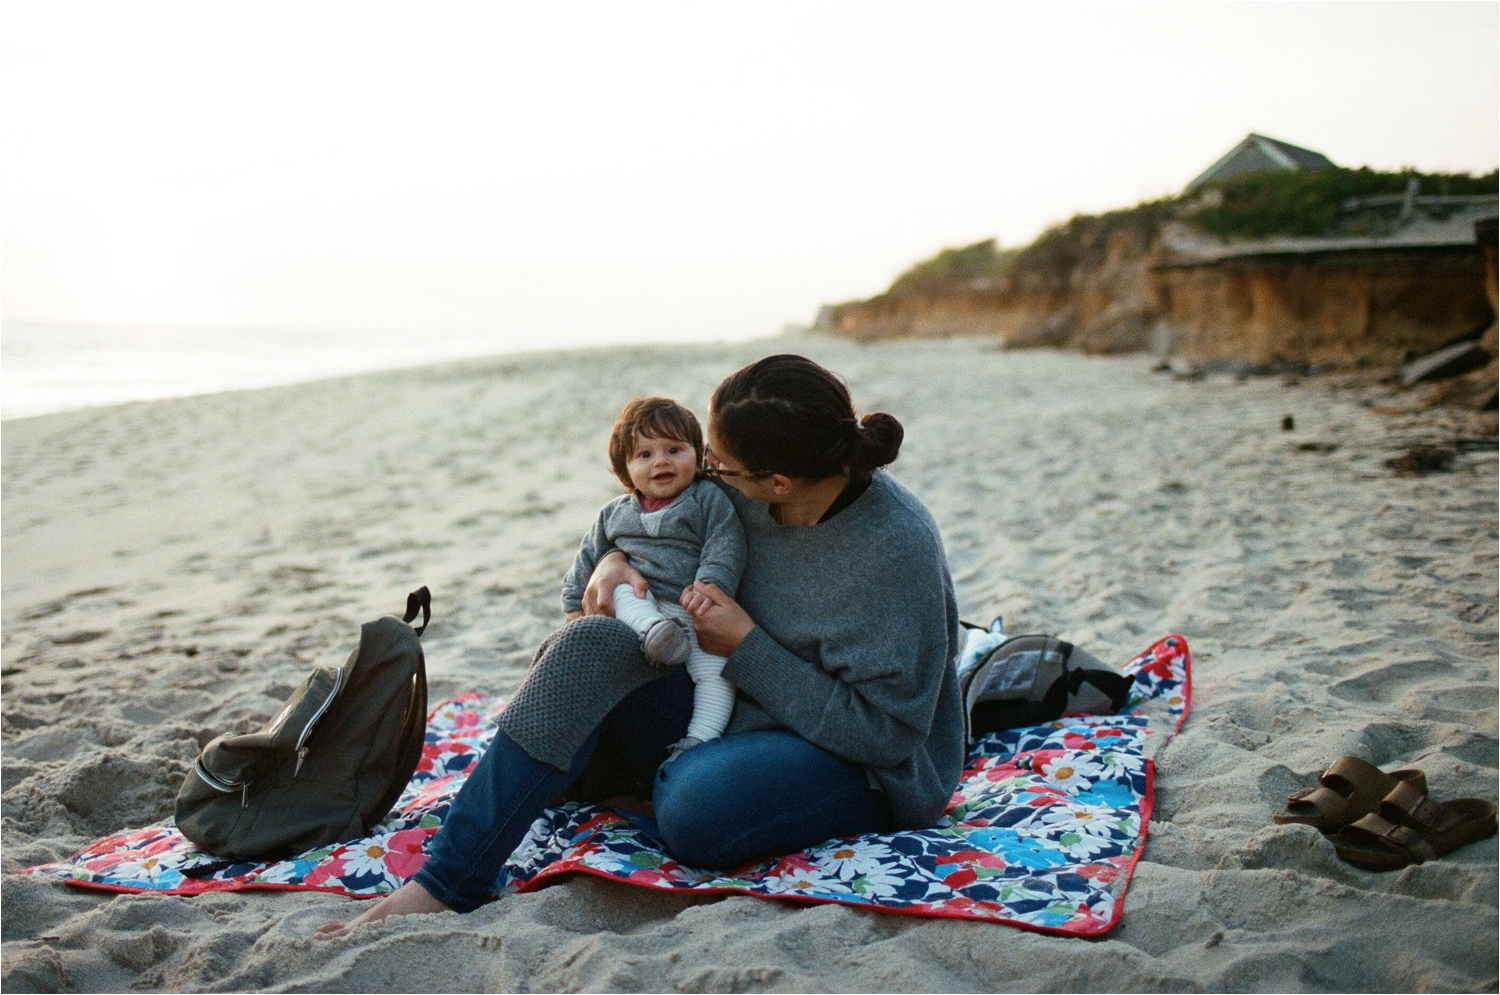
1043, 832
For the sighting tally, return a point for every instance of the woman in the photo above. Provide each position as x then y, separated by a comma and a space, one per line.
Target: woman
840, 643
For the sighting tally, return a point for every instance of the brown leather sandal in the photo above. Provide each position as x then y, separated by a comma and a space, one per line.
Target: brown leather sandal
1411, 828
1350, 789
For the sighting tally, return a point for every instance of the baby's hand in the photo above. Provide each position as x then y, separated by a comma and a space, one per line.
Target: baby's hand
695, 602
721, 624
570, 616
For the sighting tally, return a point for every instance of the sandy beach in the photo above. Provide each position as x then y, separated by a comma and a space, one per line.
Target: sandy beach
172, 569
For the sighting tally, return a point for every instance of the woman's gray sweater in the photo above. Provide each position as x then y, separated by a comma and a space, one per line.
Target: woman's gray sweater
853, 650
854, 644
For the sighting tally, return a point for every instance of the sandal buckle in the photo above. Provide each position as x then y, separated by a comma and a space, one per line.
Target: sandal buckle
1426, 811
1405, 835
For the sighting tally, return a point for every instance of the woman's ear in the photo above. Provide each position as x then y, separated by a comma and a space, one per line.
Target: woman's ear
781, 485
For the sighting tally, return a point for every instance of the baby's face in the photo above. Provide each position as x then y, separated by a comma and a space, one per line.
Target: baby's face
661, 468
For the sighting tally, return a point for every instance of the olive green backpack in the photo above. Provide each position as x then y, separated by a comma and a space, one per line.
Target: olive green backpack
331, 763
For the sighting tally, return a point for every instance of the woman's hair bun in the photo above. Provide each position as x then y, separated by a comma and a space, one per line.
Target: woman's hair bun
878, 443
786, 414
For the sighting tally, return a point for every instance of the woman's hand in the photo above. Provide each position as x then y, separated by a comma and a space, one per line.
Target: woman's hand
721, 623
612, 571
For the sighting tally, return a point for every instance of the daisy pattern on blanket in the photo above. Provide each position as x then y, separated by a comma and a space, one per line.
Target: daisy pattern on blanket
1042, 833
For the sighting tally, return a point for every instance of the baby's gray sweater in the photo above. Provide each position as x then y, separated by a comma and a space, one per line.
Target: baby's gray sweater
853, 648
696, 537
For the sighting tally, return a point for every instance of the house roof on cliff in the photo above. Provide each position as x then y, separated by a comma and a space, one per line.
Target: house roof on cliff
1259, 154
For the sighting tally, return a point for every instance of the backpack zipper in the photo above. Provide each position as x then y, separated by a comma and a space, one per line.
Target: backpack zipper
338, 682
219, 784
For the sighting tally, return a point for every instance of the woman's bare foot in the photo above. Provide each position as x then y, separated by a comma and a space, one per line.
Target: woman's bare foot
407, 900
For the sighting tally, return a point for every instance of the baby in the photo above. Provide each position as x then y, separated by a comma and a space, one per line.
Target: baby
676, 529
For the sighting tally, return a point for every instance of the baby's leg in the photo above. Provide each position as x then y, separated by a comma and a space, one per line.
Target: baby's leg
638, 613
662, 640
713, 696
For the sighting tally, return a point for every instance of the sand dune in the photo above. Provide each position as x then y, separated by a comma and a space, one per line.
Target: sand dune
172, 569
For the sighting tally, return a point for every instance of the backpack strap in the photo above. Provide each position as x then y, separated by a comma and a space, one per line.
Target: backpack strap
1055, 701
413, 737
419, 600
409, 743
1115, 687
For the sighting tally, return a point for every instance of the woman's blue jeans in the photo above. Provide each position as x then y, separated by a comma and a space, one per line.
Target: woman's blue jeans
718, 805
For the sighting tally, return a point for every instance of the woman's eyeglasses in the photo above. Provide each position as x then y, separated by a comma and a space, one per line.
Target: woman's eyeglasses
719, 473
712, 470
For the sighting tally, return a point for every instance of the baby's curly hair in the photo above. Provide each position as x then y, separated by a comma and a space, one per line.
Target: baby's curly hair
651, 417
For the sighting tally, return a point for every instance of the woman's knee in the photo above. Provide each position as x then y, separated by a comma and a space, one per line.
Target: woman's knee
690, 796
742, 797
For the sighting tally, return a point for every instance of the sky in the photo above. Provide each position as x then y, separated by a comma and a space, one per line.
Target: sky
573, 174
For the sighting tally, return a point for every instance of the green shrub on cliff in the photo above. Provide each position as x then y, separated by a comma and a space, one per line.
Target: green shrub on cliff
981, 260
1247, 207
1083, 240
1086, 241
1309, 203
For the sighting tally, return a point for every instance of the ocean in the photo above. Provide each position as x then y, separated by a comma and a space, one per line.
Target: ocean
47, 368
